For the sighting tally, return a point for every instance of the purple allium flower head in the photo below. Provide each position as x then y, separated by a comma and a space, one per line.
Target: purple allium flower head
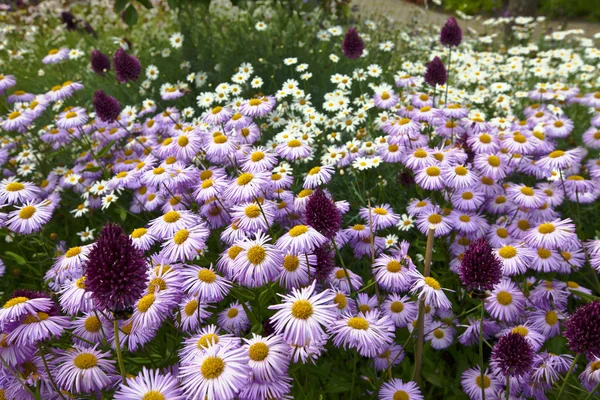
115, 271
322, 214
582, 329
69, 20
100, 62
325, 262
451, 34
512, 355
107, 107
353, 45
480, 268
436, 73
127, 68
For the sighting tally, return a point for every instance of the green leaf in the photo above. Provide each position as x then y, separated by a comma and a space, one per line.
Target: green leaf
146, 3
131, 15
105, 149
172, 4
92, 169
264, 297
123, 214
20, 260
120, 5
242, 294
585, 296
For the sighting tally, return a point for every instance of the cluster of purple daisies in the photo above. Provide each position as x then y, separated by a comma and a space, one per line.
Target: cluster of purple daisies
492, 192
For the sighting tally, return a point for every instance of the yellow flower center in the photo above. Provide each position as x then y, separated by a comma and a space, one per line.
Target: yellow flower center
556, 154
85, 361
244, 178
232, 313
233, 252
153, 395
486, 381
138, 233
27, 212
507, 252
73, 251
92, 324
314, 171
298, 230
401, 395
494, 161
546, 228
216, 110
302, 309
207, 339
434, 219
190, 308
358, 323
15, 301
504, 298
394, 266
146, 302
207, 276
397, 307
438, 333
212, 367
380, 211
171, 217
294, 143
256, 254
258, 351
431, 282
220, 139
80, 283
252, 211
14, 187
527, 191
521, 330
181, 236
291, 263
340, 300
183, 141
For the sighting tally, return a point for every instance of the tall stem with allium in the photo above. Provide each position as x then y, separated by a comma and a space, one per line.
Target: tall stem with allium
448, 81
421, 319
507, 387
119, 355
481, 363
594, 390
573, 364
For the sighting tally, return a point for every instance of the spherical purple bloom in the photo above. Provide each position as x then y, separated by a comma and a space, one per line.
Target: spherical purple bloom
69, 20
100, 62
116, 270
127, 68
107, 107
322, 214
512, 355
480, 268
582, 329
436, 73
353, 45
451, 34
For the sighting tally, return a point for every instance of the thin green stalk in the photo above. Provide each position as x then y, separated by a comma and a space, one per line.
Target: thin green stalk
352, 292
596, 388
354, 375
568, 375
481, 363
17, 376
54, 385
507, 387
119, 355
